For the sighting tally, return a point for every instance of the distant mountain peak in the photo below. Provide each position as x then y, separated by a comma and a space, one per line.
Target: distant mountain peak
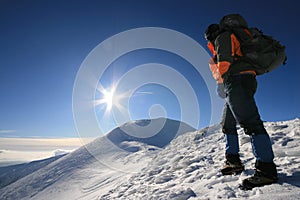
157, 132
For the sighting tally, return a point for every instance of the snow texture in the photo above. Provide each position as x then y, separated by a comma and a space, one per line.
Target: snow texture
173, 166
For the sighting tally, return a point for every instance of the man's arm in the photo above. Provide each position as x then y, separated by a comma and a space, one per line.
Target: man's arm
224, 51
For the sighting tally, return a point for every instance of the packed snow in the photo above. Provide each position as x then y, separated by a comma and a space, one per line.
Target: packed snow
170, 164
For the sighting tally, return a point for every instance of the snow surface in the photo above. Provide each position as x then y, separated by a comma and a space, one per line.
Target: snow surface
164, 166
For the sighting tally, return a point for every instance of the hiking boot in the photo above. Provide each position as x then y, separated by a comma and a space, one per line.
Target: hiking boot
232, 168
261, 178
233, 165
258, 180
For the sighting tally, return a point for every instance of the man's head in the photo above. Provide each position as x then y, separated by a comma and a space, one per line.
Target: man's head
212, 32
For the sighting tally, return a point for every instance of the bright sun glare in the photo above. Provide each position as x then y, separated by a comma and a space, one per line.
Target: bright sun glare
109, 98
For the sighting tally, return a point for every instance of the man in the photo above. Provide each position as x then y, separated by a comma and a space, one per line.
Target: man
238, 79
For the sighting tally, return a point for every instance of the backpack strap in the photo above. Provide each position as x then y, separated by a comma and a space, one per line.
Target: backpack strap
243, 35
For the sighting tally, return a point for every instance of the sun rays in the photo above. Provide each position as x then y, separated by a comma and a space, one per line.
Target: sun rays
108, 99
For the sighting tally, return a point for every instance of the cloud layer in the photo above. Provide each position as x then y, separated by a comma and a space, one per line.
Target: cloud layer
18, 150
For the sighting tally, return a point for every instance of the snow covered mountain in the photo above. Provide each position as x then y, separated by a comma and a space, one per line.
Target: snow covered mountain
166, 164
92, 170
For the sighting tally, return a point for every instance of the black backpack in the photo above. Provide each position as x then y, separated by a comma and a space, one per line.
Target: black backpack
263, 52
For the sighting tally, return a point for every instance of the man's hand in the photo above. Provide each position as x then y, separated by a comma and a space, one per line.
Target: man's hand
221, 90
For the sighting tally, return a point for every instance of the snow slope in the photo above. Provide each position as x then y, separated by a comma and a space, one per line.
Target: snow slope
187, 168
97, 167
12, 173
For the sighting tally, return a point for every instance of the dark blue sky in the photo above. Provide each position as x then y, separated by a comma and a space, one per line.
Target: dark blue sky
44, 42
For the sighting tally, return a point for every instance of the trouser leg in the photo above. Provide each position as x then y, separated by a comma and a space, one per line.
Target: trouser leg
262, 147
229, 129
240, 98
232, 144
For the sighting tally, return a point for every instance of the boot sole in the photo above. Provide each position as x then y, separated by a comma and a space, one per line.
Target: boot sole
247, 185
233, 172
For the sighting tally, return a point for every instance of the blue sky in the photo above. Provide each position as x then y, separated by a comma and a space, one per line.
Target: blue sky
43, 44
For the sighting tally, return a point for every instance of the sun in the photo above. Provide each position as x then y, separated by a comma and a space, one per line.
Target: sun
106, 97
110, 99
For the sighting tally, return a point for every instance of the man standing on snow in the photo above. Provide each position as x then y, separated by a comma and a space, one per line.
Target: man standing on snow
238, 79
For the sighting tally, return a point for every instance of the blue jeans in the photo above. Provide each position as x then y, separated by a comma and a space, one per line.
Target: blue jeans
240, 108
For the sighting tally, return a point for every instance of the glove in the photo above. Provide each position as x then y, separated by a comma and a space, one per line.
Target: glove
221, 90
215, 71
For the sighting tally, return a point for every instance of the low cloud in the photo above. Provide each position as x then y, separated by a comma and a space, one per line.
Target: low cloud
18, 150
60, 152
7, 131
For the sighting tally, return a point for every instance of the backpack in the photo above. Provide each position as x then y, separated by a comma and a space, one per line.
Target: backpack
263, 52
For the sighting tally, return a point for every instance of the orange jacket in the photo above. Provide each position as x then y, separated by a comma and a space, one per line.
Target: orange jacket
224, 52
